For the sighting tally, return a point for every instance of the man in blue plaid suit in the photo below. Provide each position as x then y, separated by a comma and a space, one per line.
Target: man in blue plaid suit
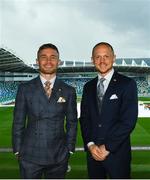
44, 125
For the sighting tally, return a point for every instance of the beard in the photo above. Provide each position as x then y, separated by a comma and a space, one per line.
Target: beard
48, 71
103, 71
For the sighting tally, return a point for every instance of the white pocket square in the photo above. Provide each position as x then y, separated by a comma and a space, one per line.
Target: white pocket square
114, 96
61, 100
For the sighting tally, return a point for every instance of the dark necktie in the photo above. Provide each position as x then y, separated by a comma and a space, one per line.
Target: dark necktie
47, 88
100, 93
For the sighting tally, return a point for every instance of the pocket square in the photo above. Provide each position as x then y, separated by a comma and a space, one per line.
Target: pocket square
114, 96
61, 100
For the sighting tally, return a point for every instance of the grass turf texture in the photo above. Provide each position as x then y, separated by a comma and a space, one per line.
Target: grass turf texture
140, 160
140, 135
140, 166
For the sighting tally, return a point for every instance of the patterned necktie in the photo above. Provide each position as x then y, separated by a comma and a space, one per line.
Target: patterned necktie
47, 88
100, 92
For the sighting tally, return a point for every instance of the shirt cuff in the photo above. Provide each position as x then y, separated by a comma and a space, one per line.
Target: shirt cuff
16, 153
90, 143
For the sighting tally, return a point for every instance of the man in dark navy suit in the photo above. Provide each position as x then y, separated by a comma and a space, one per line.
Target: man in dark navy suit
45, 120
109, 111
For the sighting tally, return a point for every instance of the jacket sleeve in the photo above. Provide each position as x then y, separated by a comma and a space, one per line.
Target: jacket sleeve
127, 118
19, 118
71, 120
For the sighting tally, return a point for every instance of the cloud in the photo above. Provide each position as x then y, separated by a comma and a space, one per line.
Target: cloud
76, 26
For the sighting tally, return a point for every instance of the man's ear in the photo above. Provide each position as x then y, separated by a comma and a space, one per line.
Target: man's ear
114, 59
37, 61
92, 60
59, 61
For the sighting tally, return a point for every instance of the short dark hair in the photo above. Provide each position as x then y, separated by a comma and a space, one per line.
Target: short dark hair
45, 46
102, 43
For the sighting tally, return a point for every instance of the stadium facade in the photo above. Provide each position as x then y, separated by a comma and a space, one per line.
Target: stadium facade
13, 71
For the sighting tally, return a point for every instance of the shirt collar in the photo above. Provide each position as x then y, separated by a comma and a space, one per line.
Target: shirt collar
52, 81
108, 76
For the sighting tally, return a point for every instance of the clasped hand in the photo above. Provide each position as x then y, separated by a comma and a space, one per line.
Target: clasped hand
99, 153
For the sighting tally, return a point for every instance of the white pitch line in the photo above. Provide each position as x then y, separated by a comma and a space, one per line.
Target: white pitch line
134, 148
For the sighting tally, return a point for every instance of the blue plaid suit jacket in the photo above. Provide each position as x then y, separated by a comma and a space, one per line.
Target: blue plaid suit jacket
44, 130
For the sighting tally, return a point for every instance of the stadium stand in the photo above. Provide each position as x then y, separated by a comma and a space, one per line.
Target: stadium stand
8, 92
8, 89
77, 83
143, 86
76, 73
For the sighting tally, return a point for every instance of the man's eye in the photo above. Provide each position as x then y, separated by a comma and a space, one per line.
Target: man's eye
97, 57
43, 57
53, 57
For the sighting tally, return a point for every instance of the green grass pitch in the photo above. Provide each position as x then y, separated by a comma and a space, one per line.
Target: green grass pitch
140, 160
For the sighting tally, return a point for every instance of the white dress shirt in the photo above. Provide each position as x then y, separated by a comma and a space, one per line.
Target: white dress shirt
52, 81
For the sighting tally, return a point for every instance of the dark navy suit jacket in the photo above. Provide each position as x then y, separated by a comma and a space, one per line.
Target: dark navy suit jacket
118, 116
38, 131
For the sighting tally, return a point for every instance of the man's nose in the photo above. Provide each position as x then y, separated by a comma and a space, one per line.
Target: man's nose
102, 58
49, 59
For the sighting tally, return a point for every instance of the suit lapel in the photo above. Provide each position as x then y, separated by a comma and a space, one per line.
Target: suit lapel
37, 99
40, 92
111, 88
94, 94
56, 91
39, 95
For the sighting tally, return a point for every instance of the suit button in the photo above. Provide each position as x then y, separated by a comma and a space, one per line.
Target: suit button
99, 125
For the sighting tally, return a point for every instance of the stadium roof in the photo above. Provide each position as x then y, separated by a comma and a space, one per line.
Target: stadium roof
136, 65
9, 62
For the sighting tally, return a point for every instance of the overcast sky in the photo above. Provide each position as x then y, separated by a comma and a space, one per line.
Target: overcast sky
75, 26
